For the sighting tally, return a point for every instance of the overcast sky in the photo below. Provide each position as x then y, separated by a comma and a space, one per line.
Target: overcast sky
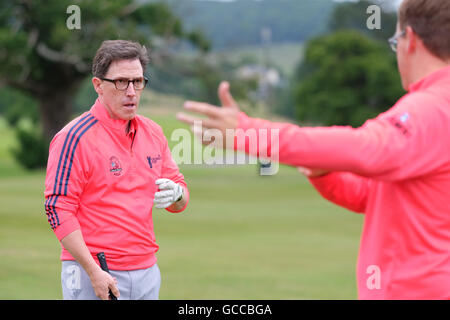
396, 1
388, 3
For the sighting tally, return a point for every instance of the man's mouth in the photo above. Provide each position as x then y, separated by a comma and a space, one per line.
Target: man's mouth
129, 105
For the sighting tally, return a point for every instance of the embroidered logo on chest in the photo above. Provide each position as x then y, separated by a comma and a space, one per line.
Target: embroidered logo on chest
153, 160
114, 166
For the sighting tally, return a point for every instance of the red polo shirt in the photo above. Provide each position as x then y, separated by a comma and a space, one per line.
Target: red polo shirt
101, 180
396, 170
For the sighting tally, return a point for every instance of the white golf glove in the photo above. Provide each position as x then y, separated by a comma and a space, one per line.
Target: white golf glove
169, 192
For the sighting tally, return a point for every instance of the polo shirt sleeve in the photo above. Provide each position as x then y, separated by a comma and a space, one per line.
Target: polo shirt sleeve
171, 171
64, 182
404, 142
345, 189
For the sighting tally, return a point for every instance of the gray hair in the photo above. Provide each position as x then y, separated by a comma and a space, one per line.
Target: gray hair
114, 50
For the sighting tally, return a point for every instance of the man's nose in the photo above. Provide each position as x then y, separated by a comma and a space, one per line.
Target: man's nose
130, 90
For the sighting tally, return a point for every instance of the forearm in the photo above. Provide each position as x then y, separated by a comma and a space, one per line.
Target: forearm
344, 189
374, 149
325, 148
101, 281
74, 243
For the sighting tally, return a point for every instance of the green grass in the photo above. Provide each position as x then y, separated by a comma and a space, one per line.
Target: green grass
250, 237
243, 236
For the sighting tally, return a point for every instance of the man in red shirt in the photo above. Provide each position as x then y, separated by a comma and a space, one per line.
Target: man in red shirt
395, 169
106, 169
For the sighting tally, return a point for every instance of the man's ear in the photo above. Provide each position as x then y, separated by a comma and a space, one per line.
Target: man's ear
412, 39
96, 82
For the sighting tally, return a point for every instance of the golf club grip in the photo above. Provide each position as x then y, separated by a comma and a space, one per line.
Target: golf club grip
102, 260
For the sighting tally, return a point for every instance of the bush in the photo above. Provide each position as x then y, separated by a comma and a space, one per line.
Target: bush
32, 150
15, 105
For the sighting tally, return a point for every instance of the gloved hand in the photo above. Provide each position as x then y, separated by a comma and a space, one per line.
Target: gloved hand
169, 193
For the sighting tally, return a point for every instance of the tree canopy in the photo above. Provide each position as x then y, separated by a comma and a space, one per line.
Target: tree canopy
41, 56
353, 15
345, 79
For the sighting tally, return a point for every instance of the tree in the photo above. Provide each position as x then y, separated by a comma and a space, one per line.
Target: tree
344, 79
354, 16
44, 57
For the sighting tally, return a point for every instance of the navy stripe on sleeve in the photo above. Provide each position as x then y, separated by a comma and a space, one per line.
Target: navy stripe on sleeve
85, 122
51, 212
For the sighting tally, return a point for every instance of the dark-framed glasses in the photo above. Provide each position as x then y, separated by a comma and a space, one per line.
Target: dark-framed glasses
393, 42
123, 83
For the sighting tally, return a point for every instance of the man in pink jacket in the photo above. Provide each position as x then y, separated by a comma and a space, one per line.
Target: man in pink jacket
395, 169
106, 170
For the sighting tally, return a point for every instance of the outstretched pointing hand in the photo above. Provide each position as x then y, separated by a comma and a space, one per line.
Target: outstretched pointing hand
217, 118
225, 96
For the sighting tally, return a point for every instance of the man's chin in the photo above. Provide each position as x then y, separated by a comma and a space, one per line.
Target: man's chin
128, 115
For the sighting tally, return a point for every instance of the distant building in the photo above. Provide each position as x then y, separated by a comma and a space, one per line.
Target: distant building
267, 78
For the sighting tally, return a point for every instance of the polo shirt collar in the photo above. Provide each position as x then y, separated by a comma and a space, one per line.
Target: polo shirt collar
430, 80
99, 111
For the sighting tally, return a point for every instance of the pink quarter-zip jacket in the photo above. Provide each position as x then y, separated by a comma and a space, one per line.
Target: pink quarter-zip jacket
395, 169
100, 179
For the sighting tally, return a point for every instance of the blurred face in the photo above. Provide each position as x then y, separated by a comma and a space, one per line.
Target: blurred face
403, 61
121, 104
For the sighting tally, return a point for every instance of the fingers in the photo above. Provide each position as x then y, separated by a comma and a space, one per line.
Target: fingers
108, 283
114, 289
103, 294
164, 194
195, 121
161, 201
168, 194
225, 96
202, 108
165, 184
161, 181
164, 205
183, 117
164, 198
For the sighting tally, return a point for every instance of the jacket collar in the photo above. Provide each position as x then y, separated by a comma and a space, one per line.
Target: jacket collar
99, 111
441, 75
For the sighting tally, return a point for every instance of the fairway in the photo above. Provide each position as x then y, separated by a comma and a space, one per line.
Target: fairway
243, 236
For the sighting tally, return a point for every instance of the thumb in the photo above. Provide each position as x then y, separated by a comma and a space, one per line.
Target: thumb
225, 96
114, 289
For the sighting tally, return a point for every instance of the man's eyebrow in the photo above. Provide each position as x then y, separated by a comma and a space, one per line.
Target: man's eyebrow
124, 77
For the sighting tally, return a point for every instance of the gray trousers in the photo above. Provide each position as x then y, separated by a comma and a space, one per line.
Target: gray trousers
141, 284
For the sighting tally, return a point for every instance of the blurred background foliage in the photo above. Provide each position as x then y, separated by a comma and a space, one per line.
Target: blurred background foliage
310, 62
357, 82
